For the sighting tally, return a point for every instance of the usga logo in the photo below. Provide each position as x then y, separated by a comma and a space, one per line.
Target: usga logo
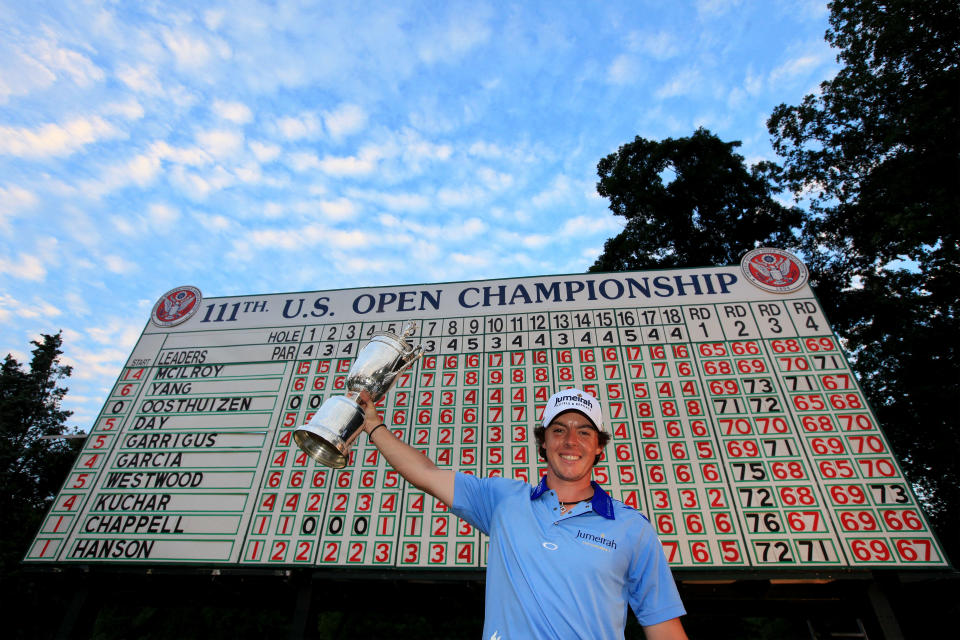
774, 270
176, 306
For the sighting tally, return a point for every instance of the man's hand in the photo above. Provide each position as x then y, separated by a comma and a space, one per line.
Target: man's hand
371, 419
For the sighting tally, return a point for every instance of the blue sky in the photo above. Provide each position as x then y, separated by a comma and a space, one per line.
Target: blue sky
250, 147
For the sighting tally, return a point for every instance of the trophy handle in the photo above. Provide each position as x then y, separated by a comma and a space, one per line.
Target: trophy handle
410, 358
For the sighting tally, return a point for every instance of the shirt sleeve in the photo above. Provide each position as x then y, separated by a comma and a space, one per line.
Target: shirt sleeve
652, 593
475, 499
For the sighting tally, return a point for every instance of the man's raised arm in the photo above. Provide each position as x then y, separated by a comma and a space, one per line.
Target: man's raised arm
415, 467
666, 630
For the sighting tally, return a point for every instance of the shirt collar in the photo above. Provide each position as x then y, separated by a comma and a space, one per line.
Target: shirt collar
602, 503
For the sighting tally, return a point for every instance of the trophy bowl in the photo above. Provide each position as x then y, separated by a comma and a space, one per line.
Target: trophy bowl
328, 435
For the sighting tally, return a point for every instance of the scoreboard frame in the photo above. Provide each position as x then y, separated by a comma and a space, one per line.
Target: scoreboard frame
738, 427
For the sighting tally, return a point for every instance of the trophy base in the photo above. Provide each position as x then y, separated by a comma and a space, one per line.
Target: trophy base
331, 431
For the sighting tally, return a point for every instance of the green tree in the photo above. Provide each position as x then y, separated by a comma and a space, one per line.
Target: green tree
688, 201
32, 469
876, 154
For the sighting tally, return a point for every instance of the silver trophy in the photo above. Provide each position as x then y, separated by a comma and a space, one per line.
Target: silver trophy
328, 435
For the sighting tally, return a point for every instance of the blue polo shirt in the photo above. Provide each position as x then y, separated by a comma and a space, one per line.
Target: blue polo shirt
570, 575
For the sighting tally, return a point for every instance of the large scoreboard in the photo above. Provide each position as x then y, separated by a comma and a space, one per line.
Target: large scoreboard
737, 425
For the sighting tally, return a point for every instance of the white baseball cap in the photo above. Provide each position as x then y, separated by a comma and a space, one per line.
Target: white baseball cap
574, 400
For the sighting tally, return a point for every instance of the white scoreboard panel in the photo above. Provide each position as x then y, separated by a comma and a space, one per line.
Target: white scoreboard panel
737, 427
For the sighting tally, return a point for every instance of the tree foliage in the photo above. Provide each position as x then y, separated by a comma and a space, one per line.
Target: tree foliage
688, 201
877, 153
875, 156
31, 469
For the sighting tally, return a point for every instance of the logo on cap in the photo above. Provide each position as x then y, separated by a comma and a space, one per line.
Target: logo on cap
574, 400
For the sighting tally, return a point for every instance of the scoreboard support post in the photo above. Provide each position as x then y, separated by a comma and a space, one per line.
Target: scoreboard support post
301, 616
884, 612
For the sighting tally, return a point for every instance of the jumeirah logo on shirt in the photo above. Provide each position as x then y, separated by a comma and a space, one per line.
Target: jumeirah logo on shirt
596, 540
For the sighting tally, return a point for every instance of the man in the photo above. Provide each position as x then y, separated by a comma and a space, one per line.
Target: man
565, 559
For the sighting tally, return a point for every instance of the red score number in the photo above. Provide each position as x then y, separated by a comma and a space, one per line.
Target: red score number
819, 344
847, 494
785, 346
898, 520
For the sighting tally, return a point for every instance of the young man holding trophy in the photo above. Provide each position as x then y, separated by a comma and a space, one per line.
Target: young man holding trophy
565, 559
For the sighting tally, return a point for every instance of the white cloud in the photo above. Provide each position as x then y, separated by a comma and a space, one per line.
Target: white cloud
661, 45
23, 75
300, 237
304, 161
362, 164
55, 139
795, 67
753, 85
162, 217
683, 83
119, 265
95, 365
44, 309
220, 143
131, 109
448, 232
13, 200
127, 225
345, 120
199, 186
340, 209
519, 154
274, 209
214, 222
461, 197
449, 42
32, 266
559, 191
415, 149
580, 226
116, 332
77, 66
472, 261
472, 227
333, 210
264, 151
535, 241
495, 180
355, 264
141, 169
249, 173
625, 69
213, 18
716, 7
38, 62
6, 302
483, 149
10, 307
394, 200
307, 125
141, 78
191, 51
235, 112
